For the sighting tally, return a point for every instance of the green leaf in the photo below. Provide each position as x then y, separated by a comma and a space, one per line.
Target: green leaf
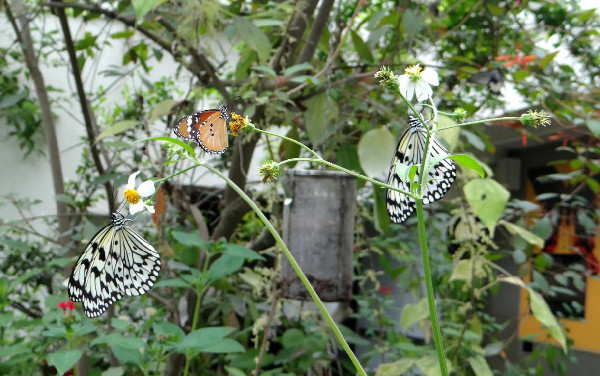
412, 313
479, 366
298, 68
142, 7
63, 360
189, 238
123, 34
117, 127
361, 47
468, 162
520, 75
172, 282
527, 235
172, 140
5, 318
382, 219
119, 340
399, 367
288, 149
265, 69
254, 37
412, 22
11, 100
168, 329
225, 265
162, 109
430, 365
114, 371
447, 131
241, 251
487, 199
547, 59
541, 311
375, 151
315, 118
594, 126
462, 271
209, 340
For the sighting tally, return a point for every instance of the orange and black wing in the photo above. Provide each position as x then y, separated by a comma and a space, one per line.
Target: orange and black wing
187, 127
212, 133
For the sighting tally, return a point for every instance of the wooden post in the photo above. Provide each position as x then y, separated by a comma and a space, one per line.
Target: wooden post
318, 228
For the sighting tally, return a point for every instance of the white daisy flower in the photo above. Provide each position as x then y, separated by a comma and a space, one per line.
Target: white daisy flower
418, 81
135, 196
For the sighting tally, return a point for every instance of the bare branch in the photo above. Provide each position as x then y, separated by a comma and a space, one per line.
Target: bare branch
86, 111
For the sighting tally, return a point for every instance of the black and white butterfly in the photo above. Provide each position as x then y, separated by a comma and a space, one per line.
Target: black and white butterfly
116, 262
492, 78
410, 151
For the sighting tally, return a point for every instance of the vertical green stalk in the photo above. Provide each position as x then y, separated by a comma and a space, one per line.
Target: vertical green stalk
437, 335
199, 293
330, 322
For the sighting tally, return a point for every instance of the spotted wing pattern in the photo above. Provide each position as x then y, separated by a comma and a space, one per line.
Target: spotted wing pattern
207, 128
410, 151
116, 262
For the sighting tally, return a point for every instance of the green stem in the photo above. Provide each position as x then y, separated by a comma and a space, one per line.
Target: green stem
332, 325
194, 323
349, 172
437, 335
480, 122
290, 140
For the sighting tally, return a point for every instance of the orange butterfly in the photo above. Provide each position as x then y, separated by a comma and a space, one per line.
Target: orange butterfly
207, 128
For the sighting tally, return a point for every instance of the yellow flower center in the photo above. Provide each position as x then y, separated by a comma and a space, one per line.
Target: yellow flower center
131, 196
413, 70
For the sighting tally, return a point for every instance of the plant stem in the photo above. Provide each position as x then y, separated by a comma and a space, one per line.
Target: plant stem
437, 335
199, 293
290, 140
336, 331
349, 172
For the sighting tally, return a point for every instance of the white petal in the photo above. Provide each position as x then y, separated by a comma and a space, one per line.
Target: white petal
136, 208
430, 76
146, 188
131, 180
423, 90
149, 208
407, 87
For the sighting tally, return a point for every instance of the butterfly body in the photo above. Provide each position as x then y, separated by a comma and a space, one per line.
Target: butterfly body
411, 151
116, 262
207, 128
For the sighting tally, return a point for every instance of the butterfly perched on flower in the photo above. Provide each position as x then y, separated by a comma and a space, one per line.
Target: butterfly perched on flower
410, 151
116, 262
207, 128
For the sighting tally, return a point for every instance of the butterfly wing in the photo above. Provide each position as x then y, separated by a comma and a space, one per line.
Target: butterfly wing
137, 262
410, 151
400, 206
187, 128
212, 133
88, 283
115, 262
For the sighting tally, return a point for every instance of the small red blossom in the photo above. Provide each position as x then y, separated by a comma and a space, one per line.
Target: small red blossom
518, 59
66, 305
385, 290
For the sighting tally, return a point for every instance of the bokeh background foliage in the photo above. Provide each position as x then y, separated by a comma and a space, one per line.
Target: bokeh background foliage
304, 69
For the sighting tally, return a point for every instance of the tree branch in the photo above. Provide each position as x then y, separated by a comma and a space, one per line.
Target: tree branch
24, 37
165, 45
316, 32
296, 28
88, 115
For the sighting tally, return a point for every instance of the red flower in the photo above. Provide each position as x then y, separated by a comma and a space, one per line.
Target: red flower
518, 59
385, 290
66, 305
